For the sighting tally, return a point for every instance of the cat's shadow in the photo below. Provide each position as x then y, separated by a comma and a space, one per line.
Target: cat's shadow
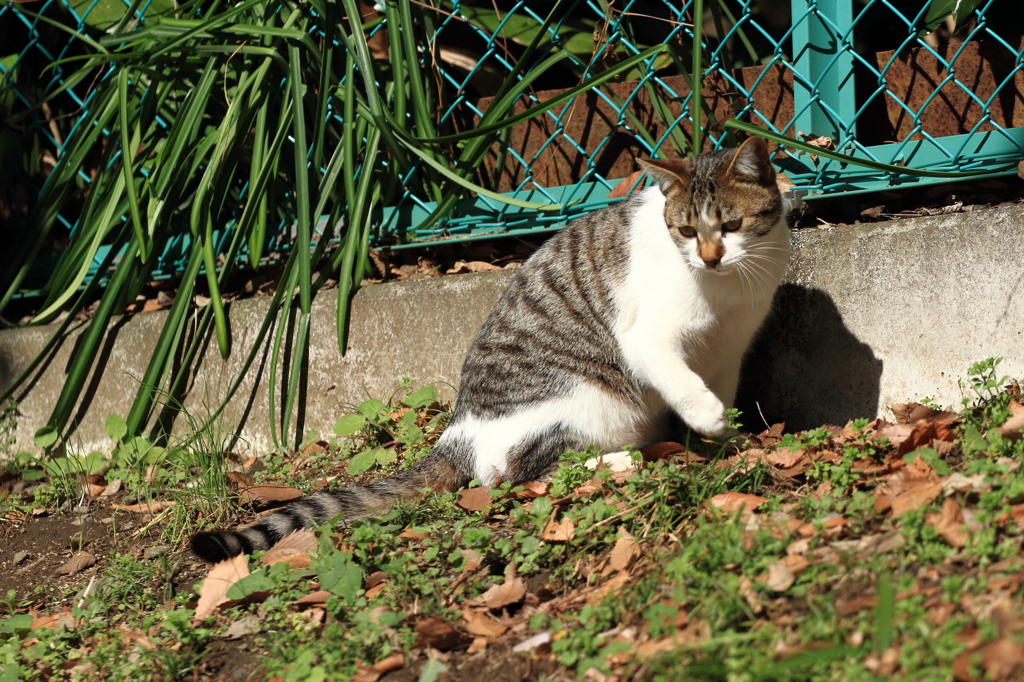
806, 368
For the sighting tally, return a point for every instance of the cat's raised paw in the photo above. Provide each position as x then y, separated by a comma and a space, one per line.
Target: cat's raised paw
709, 418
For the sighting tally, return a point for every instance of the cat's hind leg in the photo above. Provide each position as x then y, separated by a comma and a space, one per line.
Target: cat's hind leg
536, 455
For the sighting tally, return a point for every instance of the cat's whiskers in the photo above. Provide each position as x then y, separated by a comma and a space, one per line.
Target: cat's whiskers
760, 272
741, 268
755, 279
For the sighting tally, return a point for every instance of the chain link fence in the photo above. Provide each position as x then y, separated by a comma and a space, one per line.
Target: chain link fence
911, 84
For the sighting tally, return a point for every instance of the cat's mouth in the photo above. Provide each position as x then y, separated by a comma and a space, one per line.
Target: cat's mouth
720, 269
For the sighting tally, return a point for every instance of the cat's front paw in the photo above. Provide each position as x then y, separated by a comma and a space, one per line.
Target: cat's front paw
706, 415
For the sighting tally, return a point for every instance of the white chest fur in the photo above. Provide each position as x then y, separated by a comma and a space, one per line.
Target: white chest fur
677, 320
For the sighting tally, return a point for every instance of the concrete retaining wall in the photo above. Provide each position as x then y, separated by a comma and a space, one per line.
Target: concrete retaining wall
870, 315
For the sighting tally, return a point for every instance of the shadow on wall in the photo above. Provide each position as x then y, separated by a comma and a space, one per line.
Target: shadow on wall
806, 368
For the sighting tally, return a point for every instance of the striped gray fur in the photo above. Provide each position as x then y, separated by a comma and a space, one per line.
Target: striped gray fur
562, 330
553, 325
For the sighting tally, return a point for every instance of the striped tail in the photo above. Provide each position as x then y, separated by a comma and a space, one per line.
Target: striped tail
432, 472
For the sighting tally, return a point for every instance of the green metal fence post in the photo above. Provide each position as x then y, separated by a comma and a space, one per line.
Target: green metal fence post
824, 97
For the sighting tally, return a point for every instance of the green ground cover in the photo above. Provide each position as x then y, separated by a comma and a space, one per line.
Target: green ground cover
871, 550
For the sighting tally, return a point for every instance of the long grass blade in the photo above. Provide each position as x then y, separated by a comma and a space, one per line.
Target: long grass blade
128, 159
855, 160
697, 53
84, 355
160, 359
302, 236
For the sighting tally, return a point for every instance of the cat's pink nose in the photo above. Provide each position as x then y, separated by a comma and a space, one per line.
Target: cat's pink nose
712, 264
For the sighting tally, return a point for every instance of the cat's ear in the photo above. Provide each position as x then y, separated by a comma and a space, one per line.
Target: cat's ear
750, 163
666, 172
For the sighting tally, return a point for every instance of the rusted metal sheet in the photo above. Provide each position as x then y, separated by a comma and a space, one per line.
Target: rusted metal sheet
595, 126
979, 70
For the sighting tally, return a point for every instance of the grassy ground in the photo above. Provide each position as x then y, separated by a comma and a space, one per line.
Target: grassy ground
873, 550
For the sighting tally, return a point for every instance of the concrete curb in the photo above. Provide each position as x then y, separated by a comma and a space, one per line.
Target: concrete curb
870, 315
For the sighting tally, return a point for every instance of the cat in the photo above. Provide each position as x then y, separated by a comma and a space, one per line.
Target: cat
626, 316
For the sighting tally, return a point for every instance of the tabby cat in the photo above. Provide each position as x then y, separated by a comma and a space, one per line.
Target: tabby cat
627, 315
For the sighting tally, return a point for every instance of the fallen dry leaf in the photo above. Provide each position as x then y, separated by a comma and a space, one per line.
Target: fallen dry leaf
413, 535
819, 141
559, 531
389, 663
535, 642
1011, 429
785, 457
908, 413
438, 634
246, 625
618, 580
780, 577
238, 481
55, 620
478, 645
474, 499
261, 494
474, 559
949, 523
896, 433
481, 624
917, 495
532, 490
732, 502
664, 450
318, 597
622, 553
145, 507
873, 212
1002, 659
510, 591
79, 562
112, 488
221, 576
293, 548
374, 579
462, 267
918, 468
923, 435
625, 188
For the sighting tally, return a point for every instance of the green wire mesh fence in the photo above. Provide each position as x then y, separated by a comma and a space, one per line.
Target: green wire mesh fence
932, 85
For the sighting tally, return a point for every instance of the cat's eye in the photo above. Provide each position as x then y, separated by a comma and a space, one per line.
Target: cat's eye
687, 231
732, 225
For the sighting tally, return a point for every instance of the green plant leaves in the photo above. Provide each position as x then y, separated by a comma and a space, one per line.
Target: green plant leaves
65, 467
15, 624
116, 427
938, 10
364, 460
349, 424
339, 574
373, 410
46, 437
421, 398
257, 581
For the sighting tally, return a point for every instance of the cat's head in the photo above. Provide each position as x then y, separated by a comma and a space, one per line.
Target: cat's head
719, 205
